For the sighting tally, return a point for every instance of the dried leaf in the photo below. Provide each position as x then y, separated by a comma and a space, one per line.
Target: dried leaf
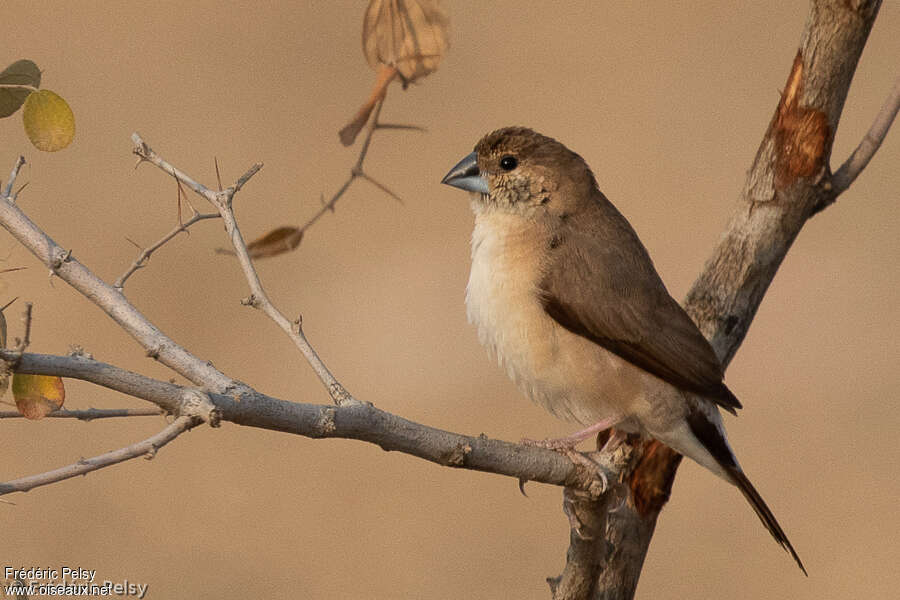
278, 241
49, 122
38, 395
384, 76
21, 72
410, 35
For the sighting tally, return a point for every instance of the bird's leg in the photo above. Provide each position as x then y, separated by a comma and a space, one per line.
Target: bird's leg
569, 442
567, 445
615, 439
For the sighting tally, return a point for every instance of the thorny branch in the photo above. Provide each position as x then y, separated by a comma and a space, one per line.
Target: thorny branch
141, 261
258, 298
146, 448
91, 414
360, 421
357, 171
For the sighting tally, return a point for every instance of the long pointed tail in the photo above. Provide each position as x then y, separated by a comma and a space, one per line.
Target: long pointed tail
712, 438
763, 512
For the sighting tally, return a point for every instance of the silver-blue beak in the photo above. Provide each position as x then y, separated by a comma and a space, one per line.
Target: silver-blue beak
466, 176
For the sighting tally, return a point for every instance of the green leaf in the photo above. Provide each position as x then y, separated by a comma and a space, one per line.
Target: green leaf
21, 72
49, 121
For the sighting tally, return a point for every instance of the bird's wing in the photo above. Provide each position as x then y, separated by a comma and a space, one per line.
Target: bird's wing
601, 284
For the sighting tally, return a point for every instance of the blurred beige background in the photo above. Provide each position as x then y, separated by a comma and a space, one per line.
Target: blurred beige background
667, 103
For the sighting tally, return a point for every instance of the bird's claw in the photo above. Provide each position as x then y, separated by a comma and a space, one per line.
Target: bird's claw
567, 448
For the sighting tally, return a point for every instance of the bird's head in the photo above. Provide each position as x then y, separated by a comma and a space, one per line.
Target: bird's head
518, 169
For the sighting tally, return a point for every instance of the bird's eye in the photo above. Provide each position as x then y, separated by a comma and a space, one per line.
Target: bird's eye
508, 163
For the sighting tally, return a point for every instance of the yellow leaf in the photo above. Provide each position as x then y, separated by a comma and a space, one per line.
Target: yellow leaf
38, 395
410, 35
49, 122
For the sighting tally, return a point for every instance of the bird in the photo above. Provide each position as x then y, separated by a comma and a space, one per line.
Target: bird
566, 297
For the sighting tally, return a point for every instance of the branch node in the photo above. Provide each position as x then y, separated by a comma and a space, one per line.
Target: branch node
341, 396
251, 300
325, 423
60, 257
79, 351
457, 456
197, 404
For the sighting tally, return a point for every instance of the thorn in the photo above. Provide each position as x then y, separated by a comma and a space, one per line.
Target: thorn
8, 304
218, 176
15, 196
400, 126
134, 243
383, 188
179, 195
522, 482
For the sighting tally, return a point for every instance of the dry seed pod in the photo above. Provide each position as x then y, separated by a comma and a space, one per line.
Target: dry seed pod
410, 35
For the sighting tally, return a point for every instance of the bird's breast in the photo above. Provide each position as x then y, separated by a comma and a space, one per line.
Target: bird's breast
567, 374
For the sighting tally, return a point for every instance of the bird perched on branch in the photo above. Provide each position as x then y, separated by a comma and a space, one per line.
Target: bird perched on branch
564, 294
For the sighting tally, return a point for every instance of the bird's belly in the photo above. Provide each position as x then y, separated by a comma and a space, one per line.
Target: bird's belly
572, 377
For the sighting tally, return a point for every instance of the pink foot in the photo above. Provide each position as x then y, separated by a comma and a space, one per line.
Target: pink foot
569, 442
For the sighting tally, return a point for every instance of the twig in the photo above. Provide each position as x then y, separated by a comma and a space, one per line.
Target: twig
12, 177
145, 153
258, 297
141, 261
870, 143
357, 170
91, 414
146, 448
